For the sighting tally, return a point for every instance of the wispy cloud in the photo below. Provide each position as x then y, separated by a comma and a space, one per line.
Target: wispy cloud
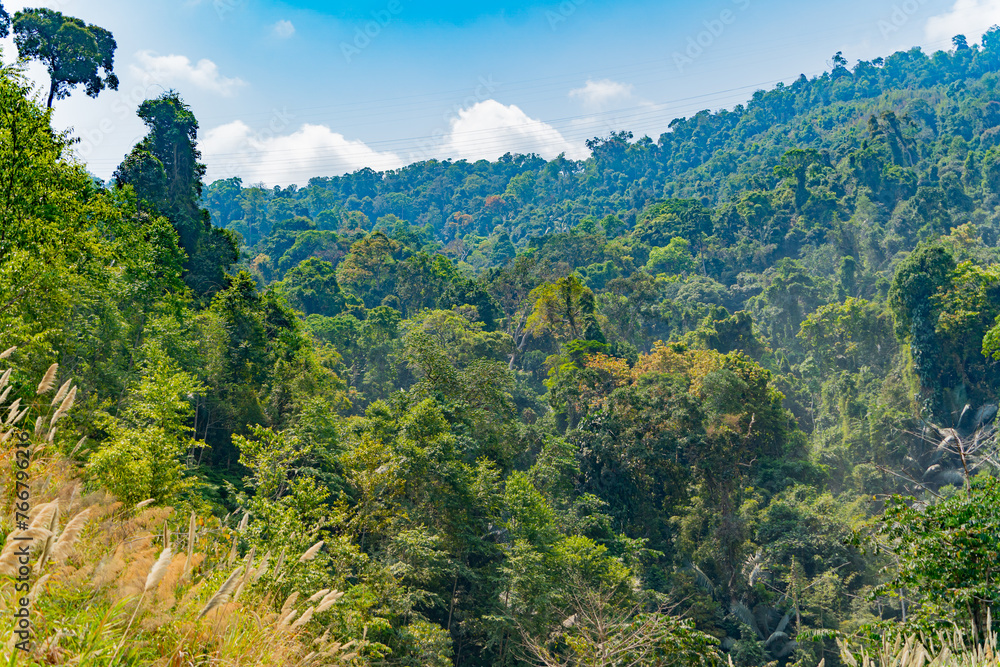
601, 94
283, 29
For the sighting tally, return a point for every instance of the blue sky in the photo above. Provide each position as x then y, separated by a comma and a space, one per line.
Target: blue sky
289, 90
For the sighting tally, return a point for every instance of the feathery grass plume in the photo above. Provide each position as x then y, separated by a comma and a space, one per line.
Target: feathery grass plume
190, 544
303, 619
43, 556
244, 522
289, 601
19, 417
329, 601
61, 393
30, 538
70, 534
39, 424
311, 553
5, 378
144, 503
5, 394
318, 595
47, 516
278, 565
48, 380
79, 444
46, 519
12, 410
262, 568
159, 569
52, 435
6, 436
67, 404
247, 571
286, 619
9, 351
152, 581
222, 595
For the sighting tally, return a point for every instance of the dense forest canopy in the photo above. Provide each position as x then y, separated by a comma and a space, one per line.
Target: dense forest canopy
725, 395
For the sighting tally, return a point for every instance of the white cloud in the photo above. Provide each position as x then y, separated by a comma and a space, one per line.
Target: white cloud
600, 94
174, 69
971, 18
489, 129
235, 149
283, 29
485, 130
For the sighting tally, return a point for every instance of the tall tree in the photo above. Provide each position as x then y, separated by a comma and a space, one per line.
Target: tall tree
165, 171
73, 51
4, 22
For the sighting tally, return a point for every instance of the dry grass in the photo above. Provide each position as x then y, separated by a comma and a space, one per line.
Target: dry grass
140, 584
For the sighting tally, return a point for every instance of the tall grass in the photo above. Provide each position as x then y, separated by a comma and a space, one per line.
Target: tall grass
957, 648
139, 585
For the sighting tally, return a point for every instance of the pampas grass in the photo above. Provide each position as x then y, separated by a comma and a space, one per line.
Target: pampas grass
262, 568
318, 595
311, 553
328, 601
159, 569
286, 619
12, 410
153, 580
303, 619
71, 533
48, 380
222, 595
247, 571
61, 393
190, 544
289, 601
17, 539
9, 351
144, 503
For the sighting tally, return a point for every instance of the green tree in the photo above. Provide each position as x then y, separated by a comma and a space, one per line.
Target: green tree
369, 271
165, 173
73, 52
945, 556
144, 457
312, 288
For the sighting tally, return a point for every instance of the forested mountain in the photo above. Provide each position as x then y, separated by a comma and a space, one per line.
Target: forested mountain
726, 395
